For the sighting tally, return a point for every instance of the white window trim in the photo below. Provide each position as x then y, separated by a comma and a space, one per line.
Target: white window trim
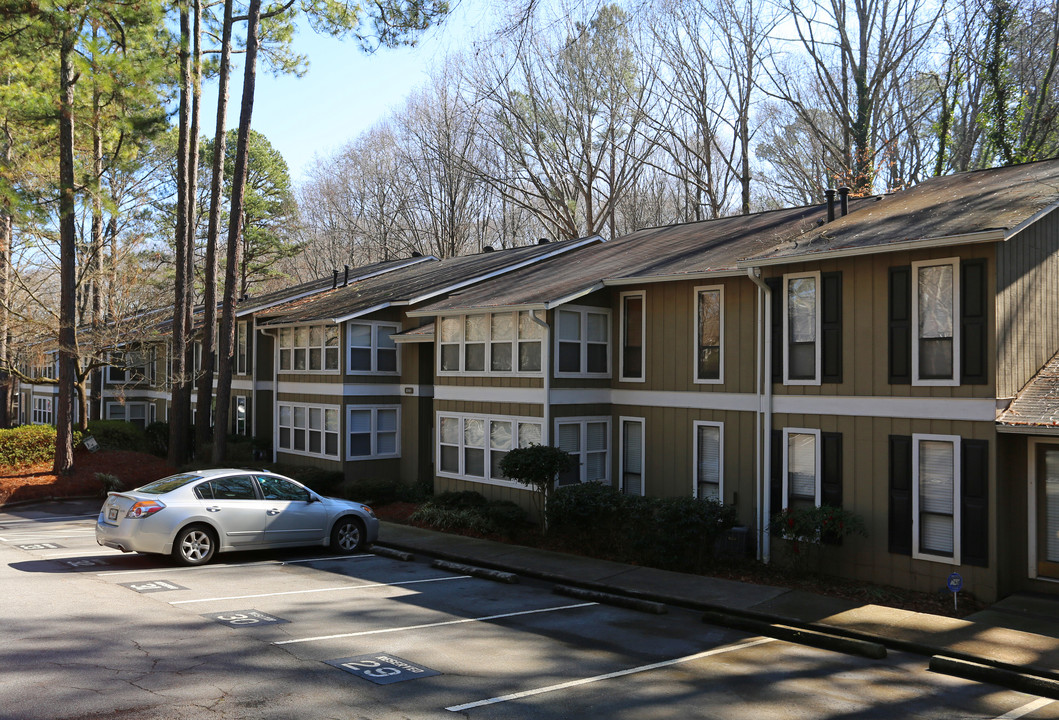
786, 329
323, 352
957, 490
787, 432
643, 336
642, 422
955, 379
583, 342
323, 443
146, 377
240, 401
695, 338
581, 455
375, 454
377, 326
242, 347
486, 480
43, 406
462, 343
695, 456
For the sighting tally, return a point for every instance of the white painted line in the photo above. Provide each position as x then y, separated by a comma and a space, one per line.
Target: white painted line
608, 676
430, 625
262, 563
320, 590
95, 553
1026, 709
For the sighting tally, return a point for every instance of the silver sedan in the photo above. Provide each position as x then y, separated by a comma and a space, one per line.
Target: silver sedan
192, 516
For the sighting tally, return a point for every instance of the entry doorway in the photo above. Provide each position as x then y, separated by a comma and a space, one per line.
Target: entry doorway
1047, 475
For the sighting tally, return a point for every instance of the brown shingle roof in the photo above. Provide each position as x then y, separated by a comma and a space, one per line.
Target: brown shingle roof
1037, 404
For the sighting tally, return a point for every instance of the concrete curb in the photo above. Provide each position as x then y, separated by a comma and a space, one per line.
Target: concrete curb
801, 636
646, 606
391, 553
1015, 680
486, 573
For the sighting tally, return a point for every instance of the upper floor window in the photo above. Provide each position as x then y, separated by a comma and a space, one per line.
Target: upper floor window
309, 348
242, 333
371, 347
801, 329
490, 343
583, 342
935, 313
131, 367
632, 336
709, 325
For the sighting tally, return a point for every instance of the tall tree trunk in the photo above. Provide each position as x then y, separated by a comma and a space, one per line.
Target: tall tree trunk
7, 226
209, 291
235, 218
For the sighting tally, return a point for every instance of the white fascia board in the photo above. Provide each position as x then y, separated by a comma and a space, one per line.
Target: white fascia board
985, 236
696, 276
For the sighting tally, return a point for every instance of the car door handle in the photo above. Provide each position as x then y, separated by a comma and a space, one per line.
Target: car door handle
272, 511
213, 508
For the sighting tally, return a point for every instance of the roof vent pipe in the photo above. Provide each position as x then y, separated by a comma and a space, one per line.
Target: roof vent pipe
830, 192
334, 279
487, 248
346, 280
843, 194
543, 241
416, 253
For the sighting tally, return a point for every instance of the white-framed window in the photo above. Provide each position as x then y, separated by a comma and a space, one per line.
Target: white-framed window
134, 366
498, 343
240, 415
373, 432
709, 460
801, 329
633, 331
42, 411
588, 440
582, 342
309, 348
632, 456
48, 368
709, 334
371, 349
308, 429
470, 447
242, 344
137, 413
801, 468
935, 498
935, 322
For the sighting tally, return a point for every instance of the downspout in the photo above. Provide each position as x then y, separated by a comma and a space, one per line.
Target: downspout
546, 367
763, 457
274, 333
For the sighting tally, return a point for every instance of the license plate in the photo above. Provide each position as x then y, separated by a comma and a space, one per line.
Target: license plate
112, 514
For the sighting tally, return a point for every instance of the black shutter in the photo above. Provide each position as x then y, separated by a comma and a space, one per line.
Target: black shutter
900, 345
900, 525
776, 474
831, 478
831, 327
775, 286
974, 364
974, 503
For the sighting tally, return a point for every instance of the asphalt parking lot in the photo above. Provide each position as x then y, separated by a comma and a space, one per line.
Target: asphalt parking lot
89, 632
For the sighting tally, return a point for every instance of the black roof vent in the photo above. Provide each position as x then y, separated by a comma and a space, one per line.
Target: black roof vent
334, 279
843, 194
416, 253
346, 281
830, 192
543, 241
487, 248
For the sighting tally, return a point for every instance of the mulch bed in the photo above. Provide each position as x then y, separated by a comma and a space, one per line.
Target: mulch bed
39, 482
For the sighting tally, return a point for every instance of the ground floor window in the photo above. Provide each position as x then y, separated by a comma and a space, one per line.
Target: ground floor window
138, 413
708, 460
935, 489
42, 411
632, 448
801, 468
308, 429
471, 446
588, 440
240, 415
374, 432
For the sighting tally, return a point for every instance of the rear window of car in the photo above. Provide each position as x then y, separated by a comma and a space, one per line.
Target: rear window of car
168, 484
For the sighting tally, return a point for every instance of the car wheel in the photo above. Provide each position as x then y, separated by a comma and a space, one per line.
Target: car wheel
347, 535
194, 545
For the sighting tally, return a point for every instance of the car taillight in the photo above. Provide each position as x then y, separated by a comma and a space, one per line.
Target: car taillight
144, 508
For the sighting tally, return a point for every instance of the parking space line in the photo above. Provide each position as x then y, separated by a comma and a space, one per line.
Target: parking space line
608, 676
437, 624
1026, 709
319, 590
260, 563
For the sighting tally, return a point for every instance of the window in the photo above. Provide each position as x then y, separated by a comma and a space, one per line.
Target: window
371, 349
632, 336
373, 432
274, 488
237, 487
801, 328
308, 430
632, 442
241, 343
801, 468
138, 413
583, 342
471, 447
587, 439
240, 415
708, 460
935, 310
310, 348
130, 367
497, 343
935, 489
709, 325
42, 411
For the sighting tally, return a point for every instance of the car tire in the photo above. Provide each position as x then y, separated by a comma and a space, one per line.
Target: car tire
195, 545
347, 536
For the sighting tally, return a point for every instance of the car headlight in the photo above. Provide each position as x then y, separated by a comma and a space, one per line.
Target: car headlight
371, 513
144, 508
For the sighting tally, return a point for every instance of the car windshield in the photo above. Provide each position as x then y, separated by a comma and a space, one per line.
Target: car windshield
168, 484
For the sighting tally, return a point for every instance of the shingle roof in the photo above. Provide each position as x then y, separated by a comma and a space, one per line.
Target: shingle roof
1037, 404
998, 199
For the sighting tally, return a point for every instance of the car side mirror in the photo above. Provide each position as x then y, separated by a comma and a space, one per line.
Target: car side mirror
312, 499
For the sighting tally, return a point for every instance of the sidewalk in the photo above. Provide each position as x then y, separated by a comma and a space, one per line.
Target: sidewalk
1015, 641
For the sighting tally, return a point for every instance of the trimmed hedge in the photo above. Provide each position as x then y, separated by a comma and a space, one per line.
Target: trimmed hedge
469, 510
29, 444
118, 435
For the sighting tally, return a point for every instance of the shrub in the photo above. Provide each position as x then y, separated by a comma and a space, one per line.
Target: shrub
28, 445
537, 467
451, 518
461, 500
109, 483
826, 523
117, 435
685, 531
471, 511
323, 481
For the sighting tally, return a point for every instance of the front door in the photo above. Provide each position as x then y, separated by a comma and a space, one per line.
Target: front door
1048, 511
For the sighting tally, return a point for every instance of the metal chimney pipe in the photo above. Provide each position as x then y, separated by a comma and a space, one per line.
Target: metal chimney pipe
843, 193
334, 279
830, 192
346, 280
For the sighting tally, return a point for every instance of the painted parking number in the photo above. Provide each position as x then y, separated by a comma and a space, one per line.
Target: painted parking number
382, 669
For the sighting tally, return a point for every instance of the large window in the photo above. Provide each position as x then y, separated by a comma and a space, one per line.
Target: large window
588, 440
308, 429
709, 327
633, 324
371, 348
632, 448
309, 348
709, 460
801, 329
801, 468
935, 310
374, 432
506, 343
935, 490
583, 342
134, 366
42, 411
137, 413
471, 446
